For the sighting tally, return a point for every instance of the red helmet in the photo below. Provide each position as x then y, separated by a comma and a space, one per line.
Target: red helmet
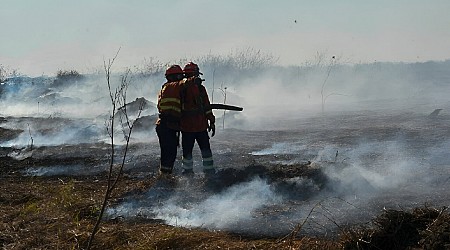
174, 69
191, 68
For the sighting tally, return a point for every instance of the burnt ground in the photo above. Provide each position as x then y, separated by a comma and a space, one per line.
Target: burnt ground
338, 182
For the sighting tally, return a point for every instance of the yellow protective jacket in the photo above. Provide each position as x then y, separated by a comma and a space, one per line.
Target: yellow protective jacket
169, 104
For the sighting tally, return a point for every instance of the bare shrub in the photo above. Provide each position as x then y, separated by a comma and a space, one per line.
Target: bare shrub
250, 58
149, 67
239, 59
65, 77
118, 99
423, 227
68, 74
6, 72
2, 74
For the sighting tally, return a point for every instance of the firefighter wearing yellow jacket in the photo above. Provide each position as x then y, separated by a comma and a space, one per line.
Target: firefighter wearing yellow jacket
168, 123
197, 118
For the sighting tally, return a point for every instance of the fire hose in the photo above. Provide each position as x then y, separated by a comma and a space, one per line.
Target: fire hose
226, 107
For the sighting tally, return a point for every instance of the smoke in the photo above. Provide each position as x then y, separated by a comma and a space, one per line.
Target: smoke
438, 154
85, 96
233, 208
357, 178
362, 127
53, 131
64, 170
229, 209
271, 96
370, 168
281, 148
69, 110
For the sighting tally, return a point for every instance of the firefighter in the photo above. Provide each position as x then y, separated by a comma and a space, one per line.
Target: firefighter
197, 119
168, 123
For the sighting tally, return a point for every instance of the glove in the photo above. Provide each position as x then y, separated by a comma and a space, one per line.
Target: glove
212, 127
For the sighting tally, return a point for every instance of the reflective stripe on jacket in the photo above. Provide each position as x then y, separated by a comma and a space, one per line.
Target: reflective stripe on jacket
169, 104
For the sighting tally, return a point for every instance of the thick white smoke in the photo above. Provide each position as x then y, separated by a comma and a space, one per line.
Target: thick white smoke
369, 168
230, 209
51, 132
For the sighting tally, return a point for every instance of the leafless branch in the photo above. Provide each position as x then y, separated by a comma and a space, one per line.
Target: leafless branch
118, 99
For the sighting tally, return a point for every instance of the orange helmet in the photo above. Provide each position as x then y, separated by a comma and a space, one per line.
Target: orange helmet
191, 68
174, 69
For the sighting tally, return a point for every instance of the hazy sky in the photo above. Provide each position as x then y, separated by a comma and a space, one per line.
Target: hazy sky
40, 37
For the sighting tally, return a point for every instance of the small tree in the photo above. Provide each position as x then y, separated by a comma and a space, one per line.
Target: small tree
331, 65
118, 99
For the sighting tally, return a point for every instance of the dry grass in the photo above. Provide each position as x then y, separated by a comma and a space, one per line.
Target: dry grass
43, 213
423, 228
59, 213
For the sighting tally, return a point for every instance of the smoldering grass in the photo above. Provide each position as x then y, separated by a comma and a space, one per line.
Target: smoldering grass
224, 210
319, 209
423, 227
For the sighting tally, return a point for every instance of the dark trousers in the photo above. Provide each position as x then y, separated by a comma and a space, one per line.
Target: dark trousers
188, 140
168, 143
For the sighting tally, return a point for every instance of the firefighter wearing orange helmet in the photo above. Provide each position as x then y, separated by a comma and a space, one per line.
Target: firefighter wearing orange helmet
168, 123
197, 119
